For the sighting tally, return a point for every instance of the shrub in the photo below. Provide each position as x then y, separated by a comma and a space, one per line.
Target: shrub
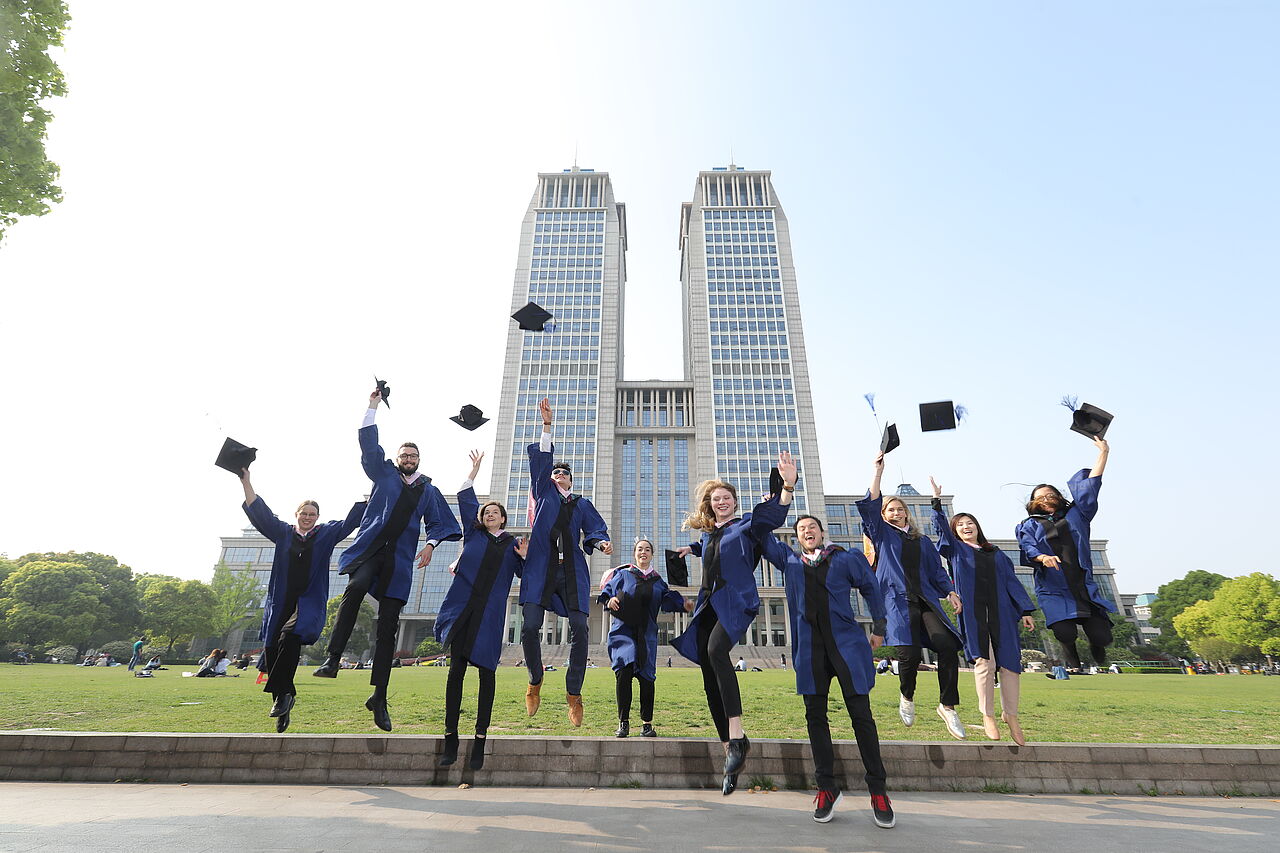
64, 654
121, 650
429, 647
1030, 655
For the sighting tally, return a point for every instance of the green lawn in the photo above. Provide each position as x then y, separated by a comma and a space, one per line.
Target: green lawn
1100, 708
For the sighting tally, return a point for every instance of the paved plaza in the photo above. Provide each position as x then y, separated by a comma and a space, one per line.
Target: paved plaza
196, 818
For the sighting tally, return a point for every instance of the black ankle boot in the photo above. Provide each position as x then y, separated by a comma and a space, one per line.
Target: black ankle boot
283, 705
624, 729
328, 669
733, 761
450, 753
377, 703
476, 760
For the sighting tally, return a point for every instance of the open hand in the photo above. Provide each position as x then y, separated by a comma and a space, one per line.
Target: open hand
544, 408
937, 490
424, 556
476, 457
787, 467
522, 547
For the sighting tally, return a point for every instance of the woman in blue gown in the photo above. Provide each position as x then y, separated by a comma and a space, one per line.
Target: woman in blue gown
634, 594
728, 601
985, 578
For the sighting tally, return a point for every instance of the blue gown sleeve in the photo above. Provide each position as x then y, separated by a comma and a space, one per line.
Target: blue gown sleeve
371, 455
672, 601
439, 520
264, 520
775, 552
594, 530
695, 548
942, 528
1012, 586
872, 523
540, 470
610, 588
940, 576
469, 509
767, 517
864, 580
352, 521
1025, 533
1084, 493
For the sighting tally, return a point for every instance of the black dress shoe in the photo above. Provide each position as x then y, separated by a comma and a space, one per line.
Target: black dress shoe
736, 755
648, 731
283, 705
730, 784
282, 722
378, 705
624, 729
328, 669
450, 754
476, 760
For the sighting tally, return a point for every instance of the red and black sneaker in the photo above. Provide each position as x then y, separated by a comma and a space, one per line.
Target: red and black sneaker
882, 810
825, 804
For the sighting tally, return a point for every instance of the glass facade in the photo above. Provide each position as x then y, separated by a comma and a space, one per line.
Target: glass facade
653, 491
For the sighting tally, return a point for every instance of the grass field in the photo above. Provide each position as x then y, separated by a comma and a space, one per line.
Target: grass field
1100, 708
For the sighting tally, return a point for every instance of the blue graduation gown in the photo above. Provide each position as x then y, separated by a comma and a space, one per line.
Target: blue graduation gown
934, 583
737, 601
488, 641
1012, 601
847, 570
431, 510
585, 525
623, 637
1052, 592
312, 602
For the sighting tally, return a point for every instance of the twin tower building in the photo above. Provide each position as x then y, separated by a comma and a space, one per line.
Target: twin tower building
639, 449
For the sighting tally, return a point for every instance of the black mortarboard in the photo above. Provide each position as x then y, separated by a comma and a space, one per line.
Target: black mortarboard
1090, 421
889, 440
235, 457
385, 390
532, 317
937, 416
470, 418
677, 569
775, 482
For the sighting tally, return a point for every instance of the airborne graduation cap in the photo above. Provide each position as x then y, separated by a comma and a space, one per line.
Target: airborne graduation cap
235, 457
532, 318
1087, 419
889, 440
677, 569
470, 418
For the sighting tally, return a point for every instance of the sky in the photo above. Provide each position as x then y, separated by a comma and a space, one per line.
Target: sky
994, 203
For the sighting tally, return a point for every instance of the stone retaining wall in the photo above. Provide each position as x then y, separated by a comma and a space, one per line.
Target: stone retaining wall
632, 762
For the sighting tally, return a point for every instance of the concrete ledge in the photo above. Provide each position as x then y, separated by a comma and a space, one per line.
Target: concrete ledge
1051, 768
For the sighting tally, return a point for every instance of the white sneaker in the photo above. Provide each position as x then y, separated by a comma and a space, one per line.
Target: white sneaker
952, 718
907, 711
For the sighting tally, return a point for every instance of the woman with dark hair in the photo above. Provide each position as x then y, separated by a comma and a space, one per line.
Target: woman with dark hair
635, 594
728, 600
1054, 539
298, 592
913, 581
474, 610
985, 578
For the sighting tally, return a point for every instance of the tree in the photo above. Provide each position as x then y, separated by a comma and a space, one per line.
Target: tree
237, 596
28, 75
428, 647
1176, 596
1244, 611
174, 609
45, 602
118, 613
1219, 652
362, 634
1123, 636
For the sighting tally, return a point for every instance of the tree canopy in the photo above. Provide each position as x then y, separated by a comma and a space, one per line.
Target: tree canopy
237, 598
117, 614
28, 76
45, 602
174, 609
1244, 611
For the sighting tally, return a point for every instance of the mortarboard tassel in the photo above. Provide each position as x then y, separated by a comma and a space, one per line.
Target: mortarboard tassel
1071, 401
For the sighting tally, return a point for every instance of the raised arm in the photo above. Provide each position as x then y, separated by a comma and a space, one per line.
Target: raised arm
265, 521
354, 516
540, 454
371, 455
775, 552
771, 513
595, 533
249, 495
1103, 450
877, 472
947, 543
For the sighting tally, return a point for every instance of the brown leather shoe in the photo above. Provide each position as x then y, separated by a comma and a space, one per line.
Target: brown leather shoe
990, 727
575, 708
533, 698
1015, 730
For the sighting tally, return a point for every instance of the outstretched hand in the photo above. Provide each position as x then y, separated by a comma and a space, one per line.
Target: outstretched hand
424, 556
684, 550
544, 408
937, 490
878, 464
787, 467
476, 457
522, 547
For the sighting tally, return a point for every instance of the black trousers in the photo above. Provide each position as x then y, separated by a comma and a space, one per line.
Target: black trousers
453, 696
864, 729
927, 624
377, 569
531, 640
280, 658
1097, 629
719, 678
624, 676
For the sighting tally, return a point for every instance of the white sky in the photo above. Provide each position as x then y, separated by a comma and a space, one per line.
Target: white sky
267, 203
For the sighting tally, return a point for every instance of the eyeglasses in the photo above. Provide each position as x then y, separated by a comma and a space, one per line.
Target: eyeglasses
564, 471
407, 456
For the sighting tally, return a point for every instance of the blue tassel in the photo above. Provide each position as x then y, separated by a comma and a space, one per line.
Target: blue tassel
1071, 401
961, 413
871, 401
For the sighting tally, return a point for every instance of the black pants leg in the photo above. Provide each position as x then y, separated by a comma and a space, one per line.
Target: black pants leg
947, 647
646, 699
718, 676
909, 659
868, 736
531, 639
453, 693
1097, 628
484, 702
282, 664
384, 648
1065, 633
824, 756
578, 633
362, 580
622, 689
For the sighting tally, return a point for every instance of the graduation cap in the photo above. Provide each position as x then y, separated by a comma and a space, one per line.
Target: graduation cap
532, 317
385, 390
677, 569
937, 416
775, 482
889, 440
470, 418
235, 457
1090, 421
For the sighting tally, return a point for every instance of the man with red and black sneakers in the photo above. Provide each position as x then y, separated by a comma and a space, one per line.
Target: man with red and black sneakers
826, 644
